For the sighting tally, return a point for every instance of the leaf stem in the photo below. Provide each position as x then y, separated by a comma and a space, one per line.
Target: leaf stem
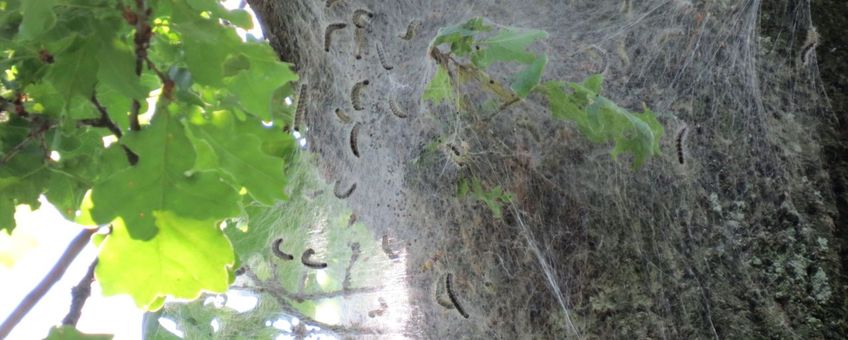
77, 244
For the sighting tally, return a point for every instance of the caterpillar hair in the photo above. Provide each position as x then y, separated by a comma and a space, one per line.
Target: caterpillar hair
275, 248
354, 132
393, 106
453, 297
681, 136
328, 34
300, 113
342, 116
381, 54
411, 29
343, 194
305, 259
360, 17
331, 3
356, 95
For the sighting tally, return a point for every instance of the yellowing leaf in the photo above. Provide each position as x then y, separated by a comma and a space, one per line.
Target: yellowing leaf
185, 258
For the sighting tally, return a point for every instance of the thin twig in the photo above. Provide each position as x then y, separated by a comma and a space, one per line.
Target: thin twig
79, 294
105, 122
76, 246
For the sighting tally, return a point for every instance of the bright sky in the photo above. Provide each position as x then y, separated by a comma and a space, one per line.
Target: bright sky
38, 241
30, 252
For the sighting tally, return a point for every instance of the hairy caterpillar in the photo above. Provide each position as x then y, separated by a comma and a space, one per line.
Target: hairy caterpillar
356, 95
275, 248
342, 116
387, 249
411, 29
680, 139
351, 220
328, 34
354, 132
393, 106
305, 259
300, 114
440, 296
453, 297
360, 18
331, 3
343, 194
359, 41
381, 54
524, 124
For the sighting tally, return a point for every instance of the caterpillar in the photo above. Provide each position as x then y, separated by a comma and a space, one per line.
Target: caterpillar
354, 132
440, 296
275, 248
359, 41
453, 297
342, 116
351, 220
331, 3
411, 29
530, 128
360, 18
328, 34
356, 95
305, 259
343, 194
300, 114
680, 138
393, 105
387, 249
381, 54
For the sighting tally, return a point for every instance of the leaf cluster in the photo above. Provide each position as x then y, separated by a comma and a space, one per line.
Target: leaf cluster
149, 116
600, 119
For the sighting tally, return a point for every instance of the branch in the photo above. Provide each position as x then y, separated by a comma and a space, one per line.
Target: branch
79, 294
76, 246
104, 122
143, 32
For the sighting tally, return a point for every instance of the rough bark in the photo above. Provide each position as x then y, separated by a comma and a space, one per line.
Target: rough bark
741, 241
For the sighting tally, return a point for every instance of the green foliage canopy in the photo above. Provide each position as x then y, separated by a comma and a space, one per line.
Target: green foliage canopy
79, 72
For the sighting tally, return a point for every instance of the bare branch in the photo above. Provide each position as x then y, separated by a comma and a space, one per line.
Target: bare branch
76, 246
79, 294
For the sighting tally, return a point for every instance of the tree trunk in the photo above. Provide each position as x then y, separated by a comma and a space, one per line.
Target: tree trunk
735, 231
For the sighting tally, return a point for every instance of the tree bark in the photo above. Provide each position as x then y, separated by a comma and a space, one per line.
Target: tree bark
741, 240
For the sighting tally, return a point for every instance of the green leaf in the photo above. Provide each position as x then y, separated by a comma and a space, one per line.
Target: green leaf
238, 146
38, 17
185, 258
461, 36
238, 17
256, 85
75, 73
159, 182
439, 90
509, 44
117, 69
207, 46
71, 333
529, 77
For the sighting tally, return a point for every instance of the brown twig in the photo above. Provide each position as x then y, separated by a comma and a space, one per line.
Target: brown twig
76, 246
79, 294
104, 122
